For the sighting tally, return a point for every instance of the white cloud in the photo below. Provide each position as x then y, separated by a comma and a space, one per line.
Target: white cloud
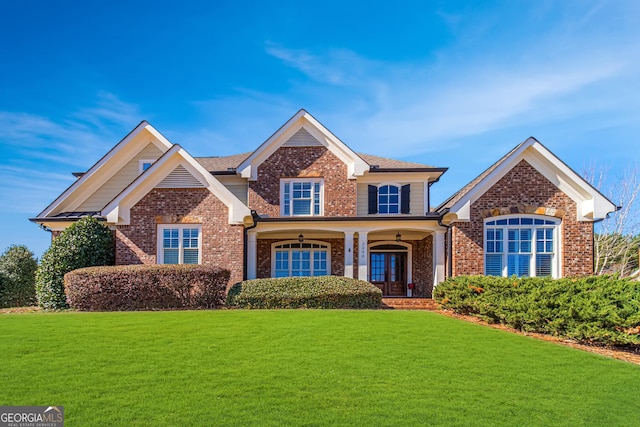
39, 152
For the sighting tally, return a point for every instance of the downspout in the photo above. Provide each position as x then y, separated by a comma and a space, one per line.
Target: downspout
449, 269
255, 217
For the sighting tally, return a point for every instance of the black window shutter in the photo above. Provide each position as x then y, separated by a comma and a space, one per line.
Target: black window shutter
373, 199
404, 199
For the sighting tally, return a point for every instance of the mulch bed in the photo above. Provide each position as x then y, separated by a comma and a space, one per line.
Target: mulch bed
631, 355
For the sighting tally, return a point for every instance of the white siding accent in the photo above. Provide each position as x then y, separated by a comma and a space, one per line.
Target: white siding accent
302, 138
237, 185
180, 178
417, 199
120, 180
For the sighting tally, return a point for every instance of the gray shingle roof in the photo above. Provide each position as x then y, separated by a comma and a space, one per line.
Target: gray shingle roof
229, 163
464, 190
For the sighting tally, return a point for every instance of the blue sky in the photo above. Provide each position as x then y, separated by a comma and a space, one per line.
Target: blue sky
455, 84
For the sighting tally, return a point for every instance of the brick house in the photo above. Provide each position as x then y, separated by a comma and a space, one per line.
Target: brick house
304, 203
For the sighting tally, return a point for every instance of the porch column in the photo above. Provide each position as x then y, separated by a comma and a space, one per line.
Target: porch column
252, 255
438, 257
363, 255
348, 254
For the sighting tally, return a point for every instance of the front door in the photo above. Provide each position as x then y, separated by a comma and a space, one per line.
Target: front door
389, 272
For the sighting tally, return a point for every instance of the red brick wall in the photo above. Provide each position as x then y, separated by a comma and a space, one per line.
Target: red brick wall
264, 256
221, 243
423, 266
298, 162
523, 190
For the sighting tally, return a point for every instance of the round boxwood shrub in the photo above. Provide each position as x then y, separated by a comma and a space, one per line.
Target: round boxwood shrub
17, 277
86, 243
304, 292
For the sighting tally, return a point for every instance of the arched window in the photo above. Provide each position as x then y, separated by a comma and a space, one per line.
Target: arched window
301, 259
522, 246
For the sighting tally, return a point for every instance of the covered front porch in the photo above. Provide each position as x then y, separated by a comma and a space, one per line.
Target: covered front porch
403, 257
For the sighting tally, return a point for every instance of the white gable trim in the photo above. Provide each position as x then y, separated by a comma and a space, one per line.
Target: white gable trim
118, 211
591, 204
356, 166
108, 165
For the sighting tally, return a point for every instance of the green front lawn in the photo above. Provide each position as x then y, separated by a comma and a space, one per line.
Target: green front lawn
304, 367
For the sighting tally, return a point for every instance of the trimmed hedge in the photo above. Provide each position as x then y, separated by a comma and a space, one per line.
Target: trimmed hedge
146, 287
599, 310
17, 277
304, 292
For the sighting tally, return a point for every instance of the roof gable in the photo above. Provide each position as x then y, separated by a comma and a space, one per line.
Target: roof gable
591, 204
301, 130
176, 165
85, 186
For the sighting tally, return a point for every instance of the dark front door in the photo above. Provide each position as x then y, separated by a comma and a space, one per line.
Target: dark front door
389, 272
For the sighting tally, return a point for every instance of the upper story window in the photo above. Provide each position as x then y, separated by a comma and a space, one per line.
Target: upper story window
521, 246
301, 197
143, 165
389, 199
179, 244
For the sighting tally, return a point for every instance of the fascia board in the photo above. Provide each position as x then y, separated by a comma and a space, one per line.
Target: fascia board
248, 168
118, 210
237, 210
480, 188
356, 166
161, 142
109, 164
374, 178
592, 205
552, 168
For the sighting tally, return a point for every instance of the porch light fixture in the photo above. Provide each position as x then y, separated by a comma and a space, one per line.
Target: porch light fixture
300, 238
398, 237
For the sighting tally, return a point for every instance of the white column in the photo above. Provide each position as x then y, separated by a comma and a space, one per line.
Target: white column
438, 257
348, 253
363, 256
252, 255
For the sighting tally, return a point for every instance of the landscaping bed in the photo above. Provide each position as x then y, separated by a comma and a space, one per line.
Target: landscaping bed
591, 310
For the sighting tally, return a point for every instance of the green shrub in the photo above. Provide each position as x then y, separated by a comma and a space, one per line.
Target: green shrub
602, 310
17, 277
146, 287
85, 243
304, 292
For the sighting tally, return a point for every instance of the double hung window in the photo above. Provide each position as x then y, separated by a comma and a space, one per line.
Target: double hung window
521, 246
389, 199
179, 244
301, 197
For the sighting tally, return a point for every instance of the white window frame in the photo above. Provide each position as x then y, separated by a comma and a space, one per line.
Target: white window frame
180, 227
143, 162
276, 247
390, 184
549, 222
288, 182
